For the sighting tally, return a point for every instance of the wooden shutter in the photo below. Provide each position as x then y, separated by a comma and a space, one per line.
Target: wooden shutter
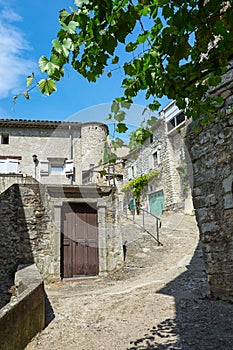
69, 167
12, 165
44, 167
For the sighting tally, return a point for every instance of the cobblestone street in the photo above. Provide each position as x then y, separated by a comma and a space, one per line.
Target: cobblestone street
159, 300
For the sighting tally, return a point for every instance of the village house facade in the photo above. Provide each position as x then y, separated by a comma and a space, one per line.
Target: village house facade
48, 216
165, 152
50, 151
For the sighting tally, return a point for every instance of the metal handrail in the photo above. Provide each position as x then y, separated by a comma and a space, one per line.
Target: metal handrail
158, 224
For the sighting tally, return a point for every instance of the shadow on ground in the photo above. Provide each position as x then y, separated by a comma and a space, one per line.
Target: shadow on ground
49, 313
201, 323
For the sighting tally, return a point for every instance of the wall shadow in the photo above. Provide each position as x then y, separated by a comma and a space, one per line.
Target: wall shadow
15, 242
201, 323
49, 313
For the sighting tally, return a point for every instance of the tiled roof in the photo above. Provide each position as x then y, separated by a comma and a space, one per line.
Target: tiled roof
48, 124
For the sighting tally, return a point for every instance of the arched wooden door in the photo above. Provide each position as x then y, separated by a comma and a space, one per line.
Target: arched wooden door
79, 240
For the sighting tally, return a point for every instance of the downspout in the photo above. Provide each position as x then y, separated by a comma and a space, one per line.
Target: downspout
71, 150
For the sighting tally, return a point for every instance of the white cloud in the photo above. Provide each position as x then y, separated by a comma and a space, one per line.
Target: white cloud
14, 67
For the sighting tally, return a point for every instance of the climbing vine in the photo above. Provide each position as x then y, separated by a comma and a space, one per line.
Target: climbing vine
136, 186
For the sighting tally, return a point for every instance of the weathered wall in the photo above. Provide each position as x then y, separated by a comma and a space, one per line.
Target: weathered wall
26, 231
172, 162
50, 141
30, 230
211, 151
105, 199
24, 316
6, 180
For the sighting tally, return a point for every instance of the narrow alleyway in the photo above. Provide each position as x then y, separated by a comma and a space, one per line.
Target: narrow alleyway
159, 300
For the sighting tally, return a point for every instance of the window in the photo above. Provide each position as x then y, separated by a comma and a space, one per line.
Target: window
57, 166
156, 158
9, 166
175, 121
5, 139
57, 169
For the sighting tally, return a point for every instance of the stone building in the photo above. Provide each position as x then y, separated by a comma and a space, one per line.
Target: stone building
47, 215
165, 152
52, 152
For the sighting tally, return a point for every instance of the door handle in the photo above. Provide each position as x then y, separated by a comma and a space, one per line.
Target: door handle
86, 243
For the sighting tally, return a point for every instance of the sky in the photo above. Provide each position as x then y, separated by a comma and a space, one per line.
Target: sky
27, 29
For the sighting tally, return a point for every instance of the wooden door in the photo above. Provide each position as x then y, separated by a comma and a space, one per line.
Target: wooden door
79, 240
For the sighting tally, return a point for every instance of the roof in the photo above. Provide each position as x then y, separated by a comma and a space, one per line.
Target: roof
46, 124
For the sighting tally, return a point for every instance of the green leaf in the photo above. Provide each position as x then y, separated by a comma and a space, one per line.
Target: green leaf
68, 44
115, 60
47, 86
29, 80
154, 106
152, 121
57, 46
143, 37
115, 107
26, 95
109, 43
72, 27
130, 47
125, 105
121, 128
167, 12
117, 143
43, 61
80, 3
109, 74
119, 116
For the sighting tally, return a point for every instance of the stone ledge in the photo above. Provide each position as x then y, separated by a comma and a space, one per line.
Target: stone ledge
24, 316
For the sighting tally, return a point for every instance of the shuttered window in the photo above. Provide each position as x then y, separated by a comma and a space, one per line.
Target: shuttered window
9, 166
44, 167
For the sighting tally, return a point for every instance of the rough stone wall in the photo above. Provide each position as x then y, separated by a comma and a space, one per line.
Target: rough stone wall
211, 151
172, 159
26, 231
7, 180
93, 138
113, 233
24, 316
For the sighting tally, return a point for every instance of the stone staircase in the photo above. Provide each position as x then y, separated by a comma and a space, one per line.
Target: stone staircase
142, 247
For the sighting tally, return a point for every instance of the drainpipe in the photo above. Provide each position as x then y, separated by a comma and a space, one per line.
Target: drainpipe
71, 150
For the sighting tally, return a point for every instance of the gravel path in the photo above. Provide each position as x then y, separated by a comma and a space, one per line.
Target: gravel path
159, 300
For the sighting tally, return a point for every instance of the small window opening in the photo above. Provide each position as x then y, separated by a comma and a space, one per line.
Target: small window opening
5, 139
180, 118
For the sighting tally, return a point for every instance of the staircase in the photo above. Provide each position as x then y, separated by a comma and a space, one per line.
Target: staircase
149, 223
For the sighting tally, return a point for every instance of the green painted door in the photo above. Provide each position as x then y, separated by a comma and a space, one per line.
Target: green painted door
156, 203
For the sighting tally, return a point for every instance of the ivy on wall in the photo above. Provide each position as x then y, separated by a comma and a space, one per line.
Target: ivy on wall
136, 186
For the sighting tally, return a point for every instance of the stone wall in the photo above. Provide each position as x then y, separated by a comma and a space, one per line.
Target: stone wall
53, 142
7, 180
106, 200
31, 221
26, 231
211, 151
24, 316
173, 160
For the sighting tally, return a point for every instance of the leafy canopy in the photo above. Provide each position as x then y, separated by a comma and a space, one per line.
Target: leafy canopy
172, 48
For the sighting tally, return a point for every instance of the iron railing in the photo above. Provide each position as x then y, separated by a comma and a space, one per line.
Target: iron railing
157, 223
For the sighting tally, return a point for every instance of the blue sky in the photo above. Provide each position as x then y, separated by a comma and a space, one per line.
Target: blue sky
26, 30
